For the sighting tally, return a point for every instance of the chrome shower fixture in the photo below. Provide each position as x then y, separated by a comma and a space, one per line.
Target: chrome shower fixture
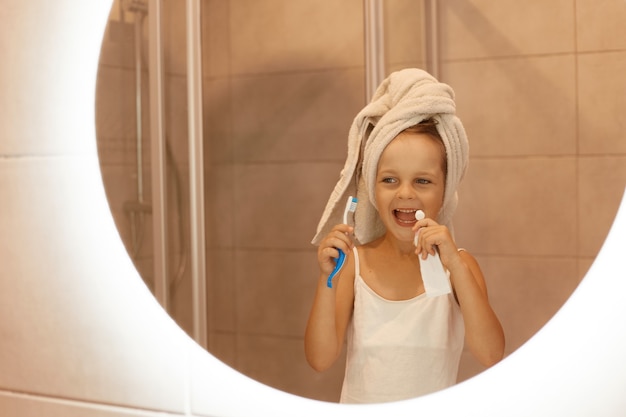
135, 6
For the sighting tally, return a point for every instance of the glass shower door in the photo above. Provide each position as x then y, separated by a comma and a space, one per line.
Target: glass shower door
244, 112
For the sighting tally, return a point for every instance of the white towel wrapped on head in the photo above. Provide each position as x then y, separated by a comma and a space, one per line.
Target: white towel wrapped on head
404, 99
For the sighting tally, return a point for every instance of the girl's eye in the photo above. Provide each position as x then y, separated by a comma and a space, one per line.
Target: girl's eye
388, 180
422, 181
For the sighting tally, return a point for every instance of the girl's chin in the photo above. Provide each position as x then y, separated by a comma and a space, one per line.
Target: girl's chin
404, 235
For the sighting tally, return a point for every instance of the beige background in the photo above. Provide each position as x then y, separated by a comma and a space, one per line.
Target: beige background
540, 89
57, 350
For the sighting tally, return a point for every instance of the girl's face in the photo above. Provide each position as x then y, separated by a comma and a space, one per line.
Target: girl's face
410, 177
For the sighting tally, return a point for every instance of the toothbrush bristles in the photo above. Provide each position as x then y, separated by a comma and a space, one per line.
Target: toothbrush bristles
350, 208
353, 202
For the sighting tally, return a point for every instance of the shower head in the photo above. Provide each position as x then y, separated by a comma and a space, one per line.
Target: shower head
135, 6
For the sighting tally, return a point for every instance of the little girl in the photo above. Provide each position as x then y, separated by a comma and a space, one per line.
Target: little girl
407, 151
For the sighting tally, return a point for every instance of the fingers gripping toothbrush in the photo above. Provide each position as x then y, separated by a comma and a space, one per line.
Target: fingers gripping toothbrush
339, 261
435, 277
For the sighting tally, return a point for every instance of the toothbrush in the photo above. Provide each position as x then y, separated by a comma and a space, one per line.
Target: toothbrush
435, 278
339, 261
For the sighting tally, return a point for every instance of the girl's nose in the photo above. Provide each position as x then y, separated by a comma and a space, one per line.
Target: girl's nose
406, 192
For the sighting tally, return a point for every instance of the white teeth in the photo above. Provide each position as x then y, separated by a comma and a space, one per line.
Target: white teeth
405, 211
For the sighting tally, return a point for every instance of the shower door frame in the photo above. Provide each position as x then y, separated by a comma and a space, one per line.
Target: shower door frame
374, 75
196, 163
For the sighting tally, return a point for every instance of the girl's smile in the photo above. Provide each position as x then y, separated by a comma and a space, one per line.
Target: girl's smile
405, 217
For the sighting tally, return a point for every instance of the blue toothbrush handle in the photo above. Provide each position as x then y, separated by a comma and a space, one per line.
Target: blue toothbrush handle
338, 265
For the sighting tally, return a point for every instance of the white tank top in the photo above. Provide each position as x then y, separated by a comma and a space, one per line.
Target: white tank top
400, 349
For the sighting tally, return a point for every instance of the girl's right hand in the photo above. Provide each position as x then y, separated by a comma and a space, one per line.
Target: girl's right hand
338, 238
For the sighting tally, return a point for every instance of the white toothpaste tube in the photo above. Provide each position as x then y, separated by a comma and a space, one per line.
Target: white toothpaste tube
436, 279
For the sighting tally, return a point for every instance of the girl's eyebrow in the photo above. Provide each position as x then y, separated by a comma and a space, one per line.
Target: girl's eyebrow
391, 171
386, 173
424, 172
385, 169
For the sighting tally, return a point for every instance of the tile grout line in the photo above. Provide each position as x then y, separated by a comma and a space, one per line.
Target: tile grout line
140, 412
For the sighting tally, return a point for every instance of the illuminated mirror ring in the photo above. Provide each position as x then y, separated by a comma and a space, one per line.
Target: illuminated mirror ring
573, 366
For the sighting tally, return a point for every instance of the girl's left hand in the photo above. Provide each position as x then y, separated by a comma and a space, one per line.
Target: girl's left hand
433, 237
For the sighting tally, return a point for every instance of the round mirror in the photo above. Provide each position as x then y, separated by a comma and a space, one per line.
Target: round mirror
279, 93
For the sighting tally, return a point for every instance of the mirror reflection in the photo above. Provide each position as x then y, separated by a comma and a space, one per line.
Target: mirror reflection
282, 81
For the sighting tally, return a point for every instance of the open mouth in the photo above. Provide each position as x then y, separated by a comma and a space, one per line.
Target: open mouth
405, 216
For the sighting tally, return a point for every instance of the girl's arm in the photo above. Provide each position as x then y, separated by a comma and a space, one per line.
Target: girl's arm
332, 307
483, 332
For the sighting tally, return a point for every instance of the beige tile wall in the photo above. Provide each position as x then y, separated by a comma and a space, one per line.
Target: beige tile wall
82, 337
279, 144
540, 90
